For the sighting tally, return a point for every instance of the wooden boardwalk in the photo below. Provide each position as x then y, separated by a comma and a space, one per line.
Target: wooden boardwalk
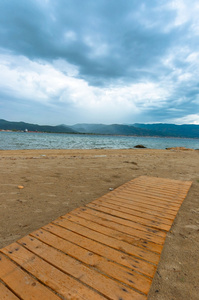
108, 249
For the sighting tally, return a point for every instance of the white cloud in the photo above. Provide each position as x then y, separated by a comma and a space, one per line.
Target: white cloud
189, 119
186, 11
45, 83
34, 81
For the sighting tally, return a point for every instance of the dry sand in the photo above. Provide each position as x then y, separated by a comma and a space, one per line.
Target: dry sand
57, 181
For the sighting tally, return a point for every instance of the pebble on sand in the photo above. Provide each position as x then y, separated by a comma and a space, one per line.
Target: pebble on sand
20, 186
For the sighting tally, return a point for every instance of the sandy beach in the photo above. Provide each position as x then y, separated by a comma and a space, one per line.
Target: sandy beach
56, 181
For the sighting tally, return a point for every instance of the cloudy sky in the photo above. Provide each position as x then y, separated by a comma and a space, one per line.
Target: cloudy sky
99, 61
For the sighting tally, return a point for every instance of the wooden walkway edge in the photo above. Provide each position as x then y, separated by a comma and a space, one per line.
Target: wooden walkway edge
108, 249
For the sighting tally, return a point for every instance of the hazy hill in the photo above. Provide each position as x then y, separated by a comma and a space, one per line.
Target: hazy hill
161, 130
172, 130
114, 129
6, 125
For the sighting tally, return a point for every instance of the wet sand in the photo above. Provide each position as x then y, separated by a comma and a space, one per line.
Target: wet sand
56, 181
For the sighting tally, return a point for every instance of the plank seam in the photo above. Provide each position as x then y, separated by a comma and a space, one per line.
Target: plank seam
2, 282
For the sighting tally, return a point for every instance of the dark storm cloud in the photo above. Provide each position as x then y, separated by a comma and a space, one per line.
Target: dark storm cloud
143, 52
105, 39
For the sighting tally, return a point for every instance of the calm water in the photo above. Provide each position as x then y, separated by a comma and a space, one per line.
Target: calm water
20, 140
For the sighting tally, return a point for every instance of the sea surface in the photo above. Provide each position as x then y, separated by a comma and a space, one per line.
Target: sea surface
29, 140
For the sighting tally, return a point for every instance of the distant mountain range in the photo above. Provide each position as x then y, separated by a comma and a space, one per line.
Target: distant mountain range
159, 130
114, 129
22, 126
172, 130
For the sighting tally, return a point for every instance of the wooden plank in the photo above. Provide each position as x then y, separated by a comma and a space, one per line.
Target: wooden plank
158, 187
139, 204
150, 223
143, 199
132, 240
163, 191
133, 207
101, 263
58, 281
173, 201
119, 227
170, 188
24, 285
126, 223
111, 242
134, 212
176, 200
154, 190
107, 286
103, 250
6, 294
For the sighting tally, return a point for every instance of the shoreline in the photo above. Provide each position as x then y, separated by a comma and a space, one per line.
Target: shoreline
57, 181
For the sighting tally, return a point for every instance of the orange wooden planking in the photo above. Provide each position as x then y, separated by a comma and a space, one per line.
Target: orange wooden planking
108, 267
151, 223
73, 267
162, 188
117, 234
140, 209
158, 192
119, 227
103, 250
159, 188
153, 196
6, 293
121, 221
107, 250
109, 241
139, 204
24, 285
144, 199
65, 285
133, 212
163, 191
